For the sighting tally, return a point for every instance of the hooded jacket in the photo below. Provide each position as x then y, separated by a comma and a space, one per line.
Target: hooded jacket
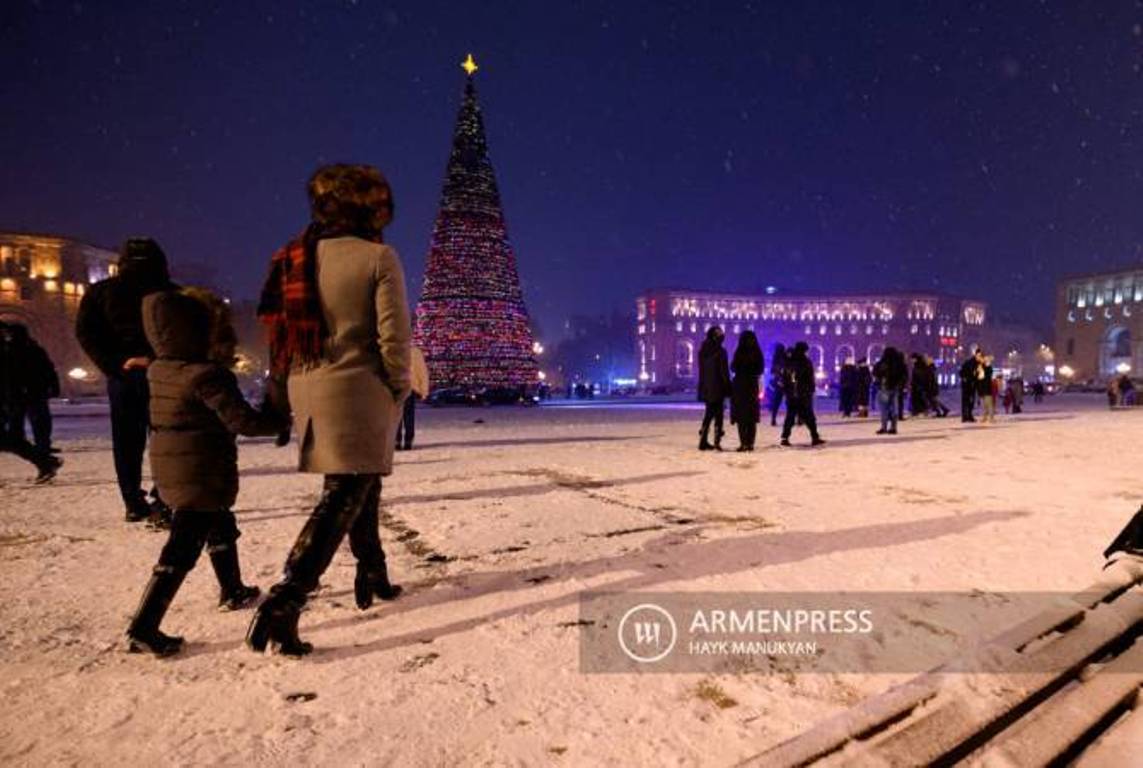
109, 323
798, 375
196, 408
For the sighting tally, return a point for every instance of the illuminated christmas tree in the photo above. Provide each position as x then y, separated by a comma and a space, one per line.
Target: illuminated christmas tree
471, 321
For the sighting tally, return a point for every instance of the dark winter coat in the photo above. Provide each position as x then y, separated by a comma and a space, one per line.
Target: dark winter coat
744, 405
891, 372
196, 408
714, 373
798, 377
35, 372
864, 385
109, 324
968, 373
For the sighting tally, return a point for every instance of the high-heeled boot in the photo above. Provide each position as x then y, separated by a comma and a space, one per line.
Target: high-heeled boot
275, 623
143, 633
373, 582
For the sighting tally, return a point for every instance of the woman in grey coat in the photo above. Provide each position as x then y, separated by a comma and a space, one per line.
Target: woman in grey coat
339, 333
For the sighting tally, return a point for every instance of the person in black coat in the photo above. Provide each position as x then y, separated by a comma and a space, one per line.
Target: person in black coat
847, 388
745, 410
919, 386
13, 403
934, 389
713, 386
864, 387
799, 387
109, 327
891, 374
969, 370
776, 367
40, 384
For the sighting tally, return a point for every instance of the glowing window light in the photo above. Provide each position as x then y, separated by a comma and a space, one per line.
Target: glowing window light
79, 374
7, 284
51, 286
1123, 368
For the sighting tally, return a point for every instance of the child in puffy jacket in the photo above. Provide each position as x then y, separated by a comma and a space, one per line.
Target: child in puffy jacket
197, 410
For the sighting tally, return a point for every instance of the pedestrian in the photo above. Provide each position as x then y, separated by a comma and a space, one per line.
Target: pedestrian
800, 387
13, 388
776, 394
986, 389
1016, 384
196, 411
419, 381
847, 388
919, 387
1113, 392
334, 305
1038, 392
109, 327
713, 386
970, 370
745, 410
864, 385
1126, 390
41, 384
891, 375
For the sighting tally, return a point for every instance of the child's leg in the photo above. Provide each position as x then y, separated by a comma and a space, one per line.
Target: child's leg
180, 553
222, 544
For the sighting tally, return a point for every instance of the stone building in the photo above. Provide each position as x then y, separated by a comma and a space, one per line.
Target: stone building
42, 279
671, 325
1099, 326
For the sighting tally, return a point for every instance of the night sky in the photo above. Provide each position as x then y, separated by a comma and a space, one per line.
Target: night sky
983, 149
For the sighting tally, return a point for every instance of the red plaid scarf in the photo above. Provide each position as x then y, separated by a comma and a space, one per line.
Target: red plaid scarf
290, 306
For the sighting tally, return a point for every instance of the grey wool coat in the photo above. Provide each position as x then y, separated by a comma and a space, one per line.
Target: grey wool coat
346, 408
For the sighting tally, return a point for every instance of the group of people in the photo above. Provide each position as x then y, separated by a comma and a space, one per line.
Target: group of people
28, 381
343, 371
792, 379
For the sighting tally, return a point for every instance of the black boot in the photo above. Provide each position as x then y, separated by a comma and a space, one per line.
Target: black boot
275, 623
233, 594
372, 582
138, 509
159, 516
717, 440
48, 468
1130, 539
143, 633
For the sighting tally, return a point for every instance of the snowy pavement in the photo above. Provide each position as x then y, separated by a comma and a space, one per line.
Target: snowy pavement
495, 528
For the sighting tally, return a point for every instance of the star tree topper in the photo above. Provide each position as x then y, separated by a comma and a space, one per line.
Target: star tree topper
469, 65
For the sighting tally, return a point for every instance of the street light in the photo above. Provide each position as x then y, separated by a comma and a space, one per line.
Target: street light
1123, 368
1067, 371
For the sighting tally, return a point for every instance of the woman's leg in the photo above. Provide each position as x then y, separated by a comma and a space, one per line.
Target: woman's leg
343, 498
222, 545
372, 578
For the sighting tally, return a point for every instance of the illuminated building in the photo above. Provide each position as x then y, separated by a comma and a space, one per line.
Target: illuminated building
42, 279
1099, 325
671, 326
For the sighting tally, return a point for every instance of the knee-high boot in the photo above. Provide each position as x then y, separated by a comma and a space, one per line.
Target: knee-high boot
143, 633
233, 595
372, 578
276, 620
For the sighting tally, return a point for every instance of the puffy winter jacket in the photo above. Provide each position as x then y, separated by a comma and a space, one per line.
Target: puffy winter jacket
196, 408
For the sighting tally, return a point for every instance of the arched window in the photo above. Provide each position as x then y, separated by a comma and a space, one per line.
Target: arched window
817, 356
685, 359
875, 351
843, 353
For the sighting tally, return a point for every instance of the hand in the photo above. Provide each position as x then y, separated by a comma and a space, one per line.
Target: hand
133, 363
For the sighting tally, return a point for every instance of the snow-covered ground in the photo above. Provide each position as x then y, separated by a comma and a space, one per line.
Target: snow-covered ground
495, 528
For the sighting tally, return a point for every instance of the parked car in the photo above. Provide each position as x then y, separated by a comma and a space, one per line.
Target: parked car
451, 396
502, 396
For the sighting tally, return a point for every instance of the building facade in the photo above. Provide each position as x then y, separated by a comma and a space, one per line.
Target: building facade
1099, 326
671, 325
42, 279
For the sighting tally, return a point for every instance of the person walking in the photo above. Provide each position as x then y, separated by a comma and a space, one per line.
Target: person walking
41, 384
419, 383
891, 374
919, 387
986, 389
938, 408
745, 410
109, 327
335, 309
799, 385
847, 388
970, 370
196, 411
864, 386
13, 388
776, 367
713, 386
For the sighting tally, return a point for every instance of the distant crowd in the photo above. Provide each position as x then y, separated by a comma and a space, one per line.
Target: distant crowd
886, 385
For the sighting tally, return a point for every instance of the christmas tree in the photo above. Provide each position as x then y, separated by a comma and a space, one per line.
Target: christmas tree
471, 321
